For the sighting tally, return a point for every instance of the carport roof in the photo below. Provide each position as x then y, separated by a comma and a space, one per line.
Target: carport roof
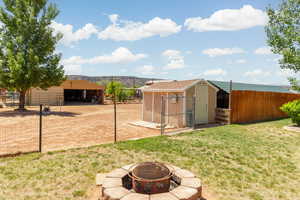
80, 85
252, 87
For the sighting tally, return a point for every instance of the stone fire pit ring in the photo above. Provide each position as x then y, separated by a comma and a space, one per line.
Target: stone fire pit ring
115, 186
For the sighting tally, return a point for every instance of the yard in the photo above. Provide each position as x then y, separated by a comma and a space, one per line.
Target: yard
69, 127
242, 162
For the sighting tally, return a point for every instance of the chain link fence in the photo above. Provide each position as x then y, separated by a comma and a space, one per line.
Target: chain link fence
9, 99
17, 133
49, 128
177, 112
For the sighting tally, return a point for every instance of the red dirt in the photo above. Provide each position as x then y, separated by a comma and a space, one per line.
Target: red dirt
72, 127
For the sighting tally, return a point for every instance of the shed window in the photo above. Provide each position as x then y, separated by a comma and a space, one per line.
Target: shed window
174, 99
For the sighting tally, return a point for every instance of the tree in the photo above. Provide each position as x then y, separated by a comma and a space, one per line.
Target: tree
27, 47
119, 91
292, 109
283, 33
115, 89
103, 82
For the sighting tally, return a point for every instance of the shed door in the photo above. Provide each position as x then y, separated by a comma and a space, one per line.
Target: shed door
201, 104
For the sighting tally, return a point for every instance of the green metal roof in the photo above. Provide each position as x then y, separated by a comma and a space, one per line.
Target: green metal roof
245, 86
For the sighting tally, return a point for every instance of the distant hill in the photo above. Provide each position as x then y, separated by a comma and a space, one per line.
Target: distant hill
128, 81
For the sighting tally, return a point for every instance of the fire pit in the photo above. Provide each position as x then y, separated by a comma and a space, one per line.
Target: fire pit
151, 181
151, 178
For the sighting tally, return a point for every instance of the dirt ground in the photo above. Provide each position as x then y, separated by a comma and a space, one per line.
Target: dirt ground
69, 127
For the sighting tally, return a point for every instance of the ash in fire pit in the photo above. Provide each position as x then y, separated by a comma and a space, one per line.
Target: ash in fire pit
151, 171
151, 178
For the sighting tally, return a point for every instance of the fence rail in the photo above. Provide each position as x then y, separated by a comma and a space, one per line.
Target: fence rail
251, 106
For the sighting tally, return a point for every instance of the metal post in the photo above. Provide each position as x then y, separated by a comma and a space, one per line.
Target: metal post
162, 124
115, 111
229, 106
115, 119
194, 113
41, 126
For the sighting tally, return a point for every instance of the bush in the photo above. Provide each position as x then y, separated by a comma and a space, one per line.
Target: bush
292, 109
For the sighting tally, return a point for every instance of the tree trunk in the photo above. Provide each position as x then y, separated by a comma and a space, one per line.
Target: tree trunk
22, 101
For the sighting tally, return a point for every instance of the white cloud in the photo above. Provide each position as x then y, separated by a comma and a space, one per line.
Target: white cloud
131, 31
120, 55
73, 69
213, 52
146, 70
69, 36
228, 20
123, 70
263, 51
175, 59
215, 72
257, 72
113, 18
74, 60
241, 61
171, 53
285, 73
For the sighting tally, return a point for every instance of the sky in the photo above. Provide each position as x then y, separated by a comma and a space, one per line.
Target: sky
169, 39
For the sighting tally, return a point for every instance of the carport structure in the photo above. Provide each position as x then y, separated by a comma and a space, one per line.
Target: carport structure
69, 92
82, 91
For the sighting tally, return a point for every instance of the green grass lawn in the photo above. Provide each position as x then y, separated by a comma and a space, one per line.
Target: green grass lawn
256, 161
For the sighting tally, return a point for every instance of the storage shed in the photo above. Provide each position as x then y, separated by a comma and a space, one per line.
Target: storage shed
70, 91
177, 100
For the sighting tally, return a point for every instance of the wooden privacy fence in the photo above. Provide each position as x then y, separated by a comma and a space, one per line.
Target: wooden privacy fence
251, 106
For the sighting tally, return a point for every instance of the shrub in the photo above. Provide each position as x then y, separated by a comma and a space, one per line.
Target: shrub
292, 109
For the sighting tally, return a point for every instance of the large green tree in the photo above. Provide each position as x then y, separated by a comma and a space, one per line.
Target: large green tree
283, 32
118, 91
27, 47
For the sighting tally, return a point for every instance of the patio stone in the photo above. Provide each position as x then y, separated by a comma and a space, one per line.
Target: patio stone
117, 173
100, 179
193, 183
111, 183
182, 173
136, 196
163, 196
185, 193
173, 168
115, 193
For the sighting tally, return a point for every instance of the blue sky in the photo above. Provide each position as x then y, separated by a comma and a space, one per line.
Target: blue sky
171, 39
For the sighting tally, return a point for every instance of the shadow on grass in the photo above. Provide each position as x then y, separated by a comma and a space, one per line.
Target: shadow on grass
261, 121
210, 125
14, 113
